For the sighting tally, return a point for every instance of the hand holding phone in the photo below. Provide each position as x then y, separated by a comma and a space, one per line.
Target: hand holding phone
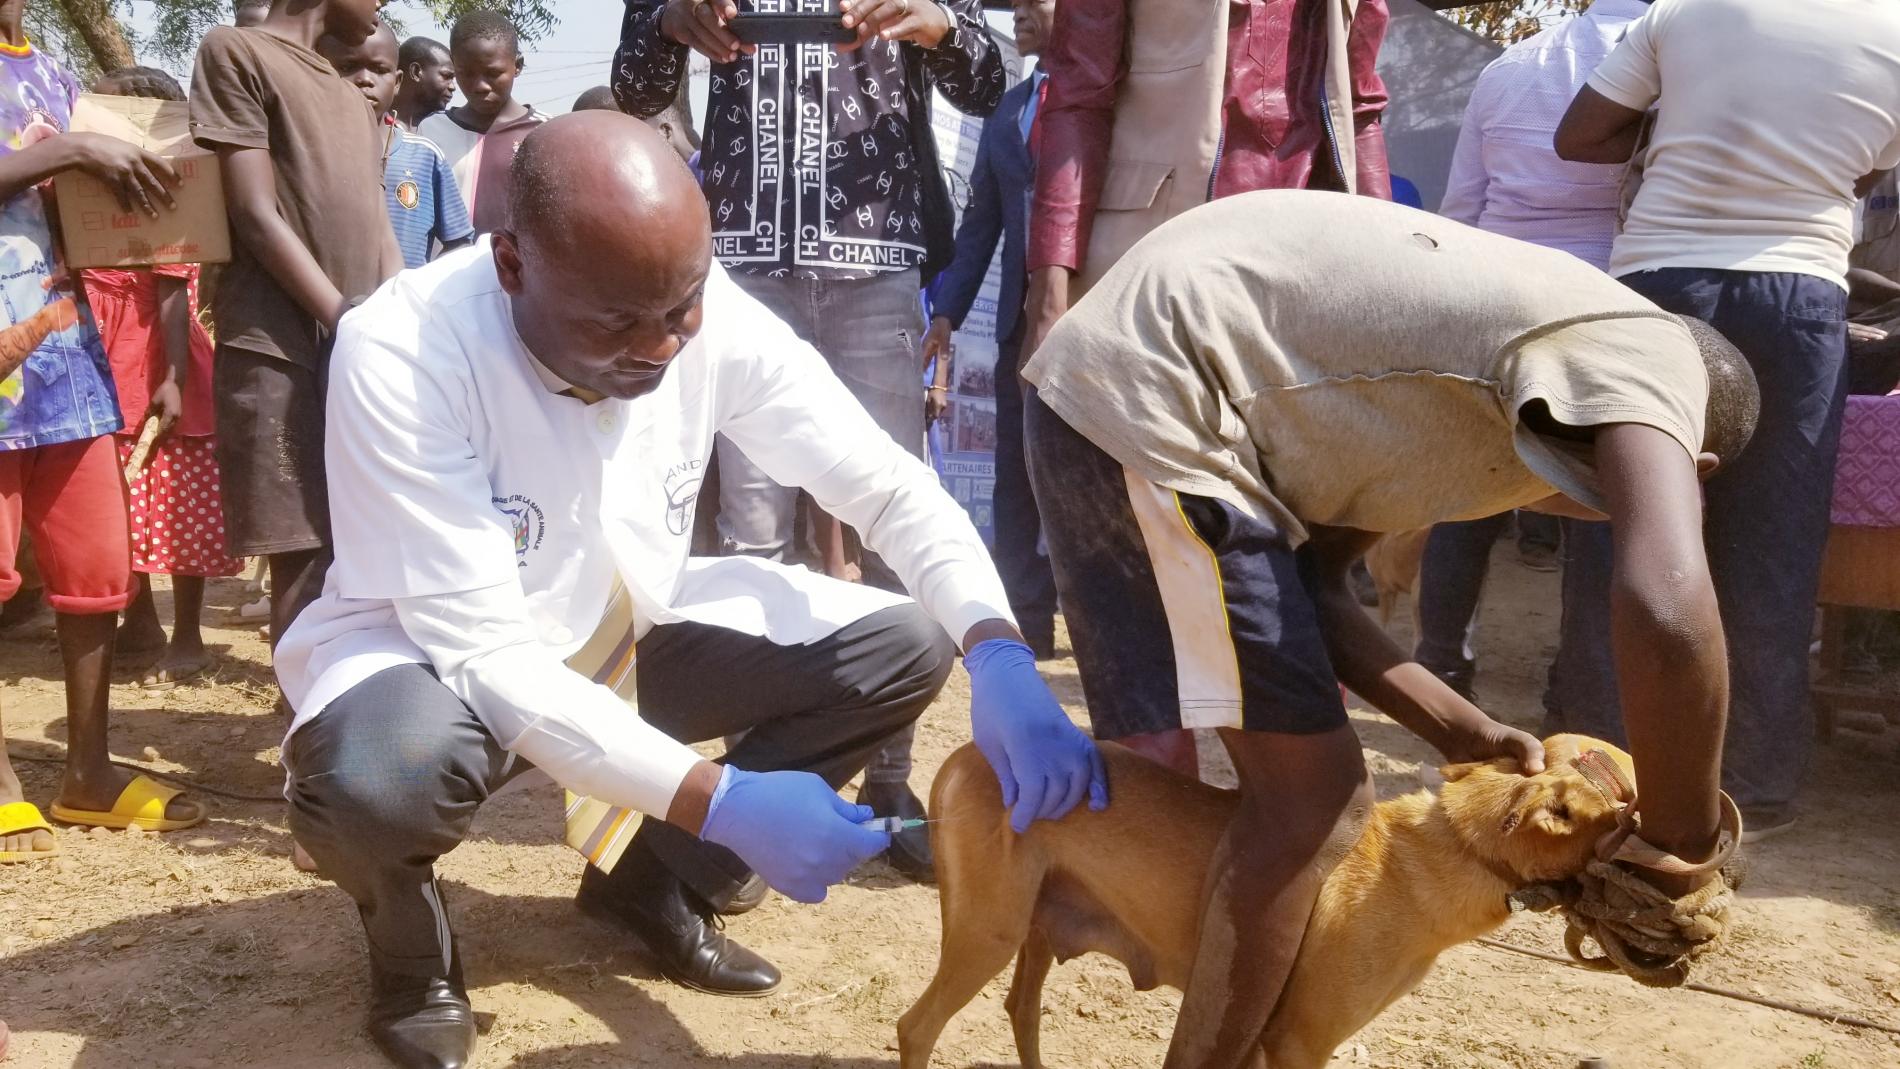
921, 22
704, 27
817, 27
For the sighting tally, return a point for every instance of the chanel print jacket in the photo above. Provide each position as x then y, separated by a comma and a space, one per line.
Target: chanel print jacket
816, 162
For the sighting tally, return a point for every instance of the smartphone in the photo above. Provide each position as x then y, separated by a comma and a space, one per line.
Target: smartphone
823, 28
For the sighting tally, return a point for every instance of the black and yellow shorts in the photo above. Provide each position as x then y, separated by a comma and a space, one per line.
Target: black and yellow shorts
1184, 611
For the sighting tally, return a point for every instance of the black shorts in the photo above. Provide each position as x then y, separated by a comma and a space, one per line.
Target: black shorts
270, 453
1184, 611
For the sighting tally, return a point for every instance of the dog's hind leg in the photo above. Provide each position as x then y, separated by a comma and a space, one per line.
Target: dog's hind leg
969, 960
986, 916
1025, 997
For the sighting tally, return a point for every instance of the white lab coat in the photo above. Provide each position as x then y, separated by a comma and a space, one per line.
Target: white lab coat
480, 519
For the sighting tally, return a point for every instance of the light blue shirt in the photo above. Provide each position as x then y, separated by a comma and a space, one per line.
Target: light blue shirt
1028, 119
1505, 175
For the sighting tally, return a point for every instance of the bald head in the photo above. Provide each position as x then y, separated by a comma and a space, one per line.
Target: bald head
611, 172
607, 251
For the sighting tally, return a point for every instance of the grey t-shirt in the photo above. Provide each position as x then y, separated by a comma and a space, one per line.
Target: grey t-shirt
1318, 358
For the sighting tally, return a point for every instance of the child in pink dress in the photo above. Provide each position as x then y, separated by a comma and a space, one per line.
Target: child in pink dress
161, 362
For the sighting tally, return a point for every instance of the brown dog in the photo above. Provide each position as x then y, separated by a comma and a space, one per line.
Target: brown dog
1430, 871
1393, 562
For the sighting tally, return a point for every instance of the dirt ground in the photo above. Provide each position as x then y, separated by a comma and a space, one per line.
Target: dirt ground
207, 949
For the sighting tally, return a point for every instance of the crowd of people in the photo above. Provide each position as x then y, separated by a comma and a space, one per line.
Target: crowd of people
471, 371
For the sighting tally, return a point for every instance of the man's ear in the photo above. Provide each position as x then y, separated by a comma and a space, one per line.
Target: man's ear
521, 63
507, 253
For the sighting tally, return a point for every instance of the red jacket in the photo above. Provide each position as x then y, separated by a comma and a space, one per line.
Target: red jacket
1274, 129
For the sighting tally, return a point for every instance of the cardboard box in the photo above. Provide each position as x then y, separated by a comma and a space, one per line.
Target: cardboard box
97, 232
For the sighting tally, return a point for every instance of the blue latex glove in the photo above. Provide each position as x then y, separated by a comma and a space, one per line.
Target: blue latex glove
792, 828
1045, 763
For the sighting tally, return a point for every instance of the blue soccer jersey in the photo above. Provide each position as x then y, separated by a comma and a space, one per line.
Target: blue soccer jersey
425, 207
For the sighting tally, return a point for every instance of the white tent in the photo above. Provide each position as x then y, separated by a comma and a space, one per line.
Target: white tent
1429, 64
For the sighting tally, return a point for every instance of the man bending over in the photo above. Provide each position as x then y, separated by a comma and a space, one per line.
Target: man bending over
1220, 430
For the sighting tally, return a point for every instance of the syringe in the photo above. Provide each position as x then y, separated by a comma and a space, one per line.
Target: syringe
891, 825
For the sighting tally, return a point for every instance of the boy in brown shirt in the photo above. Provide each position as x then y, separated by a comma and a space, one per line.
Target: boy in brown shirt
303, 185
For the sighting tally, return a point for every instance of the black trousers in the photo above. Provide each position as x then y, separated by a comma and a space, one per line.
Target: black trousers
1028, 580
389, 777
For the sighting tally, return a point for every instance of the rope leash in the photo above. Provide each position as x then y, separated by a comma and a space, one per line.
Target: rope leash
1642, 932
1846, 1020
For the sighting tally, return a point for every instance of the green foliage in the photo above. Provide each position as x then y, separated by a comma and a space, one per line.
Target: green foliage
178, 25
50, 29
532, 17
1509, 21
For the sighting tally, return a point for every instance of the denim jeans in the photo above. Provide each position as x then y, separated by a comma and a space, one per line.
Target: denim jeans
1580, 694
870, 331
1450, 586
1537, 529
1767, 510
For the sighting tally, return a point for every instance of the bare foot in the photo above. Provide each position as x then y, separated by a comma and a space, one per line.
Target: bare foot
301, 859
177, 667
37, 841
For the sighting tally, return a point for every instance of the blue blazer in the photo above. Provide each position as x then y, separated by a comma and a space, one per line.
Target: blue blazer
1000, 186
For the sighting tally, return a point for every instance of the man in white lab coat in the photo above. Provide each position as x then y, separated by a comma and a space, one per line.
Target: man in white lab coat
516, 437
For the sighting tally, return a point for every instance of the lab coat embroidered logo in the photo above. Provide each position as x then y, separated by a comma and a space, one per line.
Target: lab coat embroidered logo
528, 524
682, 493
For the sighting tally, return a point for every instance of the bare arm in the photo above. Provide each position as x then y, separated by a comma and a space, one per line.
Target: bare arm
1366, 660
1671, 659
1870, 288
174, 325
250, 193
1596, 129
141, 180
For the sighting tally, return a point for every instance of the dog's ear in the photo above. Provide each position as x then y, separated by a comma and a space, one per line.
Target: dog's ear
1455, 772
1542, 810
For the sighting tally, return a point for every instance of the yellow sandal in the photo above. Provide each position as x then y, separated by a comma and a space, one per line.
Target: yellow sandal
16, 817
141, 805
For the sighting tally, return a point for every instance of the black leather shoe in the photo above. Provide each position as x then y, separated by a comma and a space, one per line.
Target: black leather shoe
679, 929
750, 896
910, 850
421, 1022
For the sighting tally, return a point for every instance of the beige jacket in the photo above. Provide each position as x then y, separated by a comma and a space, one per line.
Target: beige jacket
1168, 119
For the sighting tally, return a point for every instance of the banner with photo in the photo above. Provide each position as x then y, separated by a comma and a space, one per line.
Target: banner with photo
963, 442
